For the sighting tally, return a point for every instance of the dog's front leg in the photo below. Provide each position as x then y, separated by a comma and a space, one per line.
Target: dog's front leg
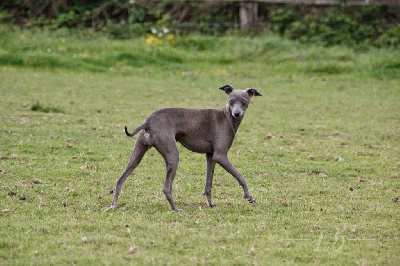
222, 159
209, 179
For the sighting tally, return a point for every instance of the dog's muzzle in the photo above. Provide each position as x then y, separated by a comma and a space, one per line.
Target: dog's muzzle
237, 114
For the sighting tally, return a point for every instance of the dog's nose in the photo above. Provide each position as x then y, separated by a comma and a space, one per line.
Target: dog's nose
236, 114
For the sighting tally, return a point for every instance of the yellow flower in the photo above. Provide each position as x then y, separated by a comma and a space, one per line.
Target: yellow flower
150, 39
171, 39
153, 40
62, 49
85, 54
220, 72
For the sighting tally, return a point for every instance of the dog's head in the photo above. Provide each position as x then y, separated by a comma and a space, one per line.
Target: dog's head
238, 100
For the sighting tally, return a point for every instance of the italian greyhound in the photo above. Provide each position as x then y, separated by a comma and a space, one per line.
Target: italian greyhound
209, 131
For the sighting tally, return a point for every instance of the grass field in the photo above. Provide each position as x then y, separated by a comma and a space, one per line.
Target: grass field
320, 152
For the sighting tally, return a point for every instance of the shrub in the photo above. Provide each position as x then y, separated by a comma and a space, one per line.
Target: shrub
353, 26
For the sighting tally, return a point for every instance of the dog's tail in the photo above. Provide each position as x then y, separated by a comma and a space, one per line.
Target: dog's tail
135, 131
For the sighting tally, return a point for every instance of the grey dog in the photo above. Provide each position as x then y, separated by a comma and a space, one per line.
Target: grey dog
209, 131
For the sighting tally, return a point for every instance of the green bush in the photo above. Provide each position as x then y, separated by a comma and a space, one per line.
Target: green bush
390, 37
337, 25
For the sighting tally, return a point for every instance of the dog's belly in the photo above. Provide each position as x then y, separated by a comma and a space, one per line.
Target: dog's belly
195, 144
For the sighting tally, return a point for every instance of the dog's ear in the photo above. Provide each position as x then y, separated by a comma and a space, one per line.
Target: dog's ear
227, 89
253, 92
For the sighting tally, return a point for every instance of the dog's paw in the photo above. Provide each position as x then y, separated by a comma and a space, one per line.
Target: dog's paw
251, 200
212, 205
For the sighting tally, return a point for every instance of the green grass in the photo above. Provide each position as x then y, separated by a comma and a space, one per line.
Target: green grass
320, 152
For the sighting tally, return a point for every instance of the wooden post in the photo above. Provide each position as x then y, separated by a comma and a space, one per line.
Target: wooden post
248, 14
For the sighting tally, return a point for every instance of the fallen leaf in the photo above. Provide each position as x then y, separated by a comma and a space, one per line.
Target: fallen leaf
132, 250
36, 181
323, 175
251, 251
12, 193
339, 159
85, 239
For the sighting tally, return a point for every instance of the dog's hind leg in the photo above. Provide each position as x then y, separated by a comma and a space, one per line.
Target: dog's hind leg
138, 152
168, 150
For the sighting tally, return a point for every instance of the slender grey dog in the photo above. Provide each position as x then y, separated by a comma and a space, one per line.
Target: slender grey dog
209, 131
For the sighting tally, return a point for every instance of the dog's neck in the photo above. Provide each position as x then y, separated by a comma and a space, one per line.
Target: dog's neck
235, 122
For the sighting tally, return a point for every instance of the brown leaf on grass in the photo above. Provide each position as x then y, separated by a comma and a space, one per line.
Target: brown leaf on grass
12, 193
251, 252
339, 159
22, 198
85, 239
323, 175
2, 171
284, 202
132, 250
335, 133
395, 199
36, 181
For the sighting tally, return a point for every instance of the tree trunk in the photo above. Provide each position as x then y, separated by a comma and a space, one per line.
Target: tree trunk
248, 15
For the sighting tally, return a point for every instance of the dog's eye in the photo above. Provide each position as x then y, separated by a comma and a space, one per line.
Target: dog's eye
231, 101
244, 101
